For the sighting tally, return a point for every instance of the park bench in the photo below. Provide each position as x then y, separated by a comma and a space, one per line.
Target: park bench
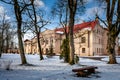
85, 71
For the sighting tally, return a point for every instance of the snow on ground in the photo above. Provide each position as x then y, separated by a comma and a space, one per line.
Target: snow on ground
54, 69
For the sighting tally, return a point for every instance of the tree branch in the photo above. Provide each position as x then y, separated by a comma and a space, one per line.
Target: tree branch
102, 21
112, 10
7, 2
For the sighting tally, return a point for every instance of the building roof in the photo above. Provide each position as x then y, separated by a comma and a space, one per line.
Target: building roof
26, 40
78, 27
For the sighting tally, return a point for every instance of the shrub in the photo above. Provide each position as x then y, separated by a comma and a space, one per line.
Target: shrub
50, 52
76, 59
65, 51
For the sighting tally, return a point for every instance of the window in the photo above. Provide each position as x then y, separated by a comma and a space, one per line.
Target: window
99, 41
83, 50
46, 41
97, 50
51, 40
97, 30
83, 39
42, 41
47, 51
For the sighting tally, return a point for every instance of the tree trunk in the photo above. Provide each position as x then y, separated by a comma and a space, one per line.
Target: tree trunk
71, 44
7, 41
72, 9
36, 30
21, 48
1, 43
8, 35
0, 48
7, 45
112, 59
39, 46
71, 40
18, 15
111, 49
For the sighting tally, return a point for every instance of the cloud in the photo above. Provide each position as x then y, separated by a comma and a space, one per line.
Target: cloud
39, 3
95, 10
91, 12
88, 1
3, 12
29, 35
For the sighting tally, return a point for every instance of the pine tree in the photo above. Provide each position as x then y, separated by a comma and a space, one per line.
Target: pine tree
65, 51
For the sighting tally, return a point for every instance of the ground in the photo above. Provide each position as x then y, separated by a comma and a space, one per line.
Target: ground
55, 69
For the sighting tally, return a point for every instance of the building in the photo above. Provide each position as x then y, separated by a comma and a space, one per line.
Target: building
13, 50
48, 38
28, 46
90, 39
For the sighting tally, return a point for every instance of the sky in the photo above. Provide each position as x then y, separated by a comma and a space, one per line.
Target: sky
91, 9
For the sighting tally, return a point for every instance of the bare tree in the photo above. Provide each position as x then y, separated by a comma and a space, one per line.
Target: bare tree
34, 14
7, 38
72, 9
113, 27
62, 10
19, 8
6, 33
36, 28
9, 34
18, 14
3, 27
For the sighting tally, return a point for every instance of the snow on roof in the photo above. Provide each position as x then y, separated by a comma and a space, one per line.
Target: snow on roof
59, 32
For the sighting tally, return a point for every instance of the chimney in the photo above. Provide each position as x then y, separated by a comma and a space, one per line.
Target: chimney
97, 18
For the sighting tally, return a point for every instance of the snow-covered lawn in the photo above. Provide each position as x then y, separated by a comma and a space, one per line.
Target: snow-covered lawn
54, 69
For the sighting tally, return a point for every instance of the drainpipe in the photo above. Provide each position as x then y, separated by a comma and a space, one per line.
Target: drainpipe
88, 43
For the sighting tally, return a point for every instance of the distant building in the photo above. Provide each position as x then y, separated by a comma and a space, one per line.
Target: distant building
47, 38
13, 50
90, 39
28, 46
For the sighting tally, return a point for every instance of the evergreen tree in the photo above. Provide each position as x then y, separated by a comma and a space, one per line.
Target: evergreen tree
65, 51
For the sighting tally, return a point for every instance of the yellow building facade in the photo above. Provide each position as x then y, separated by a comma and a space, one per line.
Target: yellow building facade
90, 39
